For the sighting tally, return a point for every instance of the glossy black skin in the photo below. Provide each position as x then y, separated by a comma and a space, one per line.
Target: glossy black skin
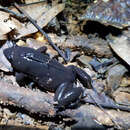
49, 73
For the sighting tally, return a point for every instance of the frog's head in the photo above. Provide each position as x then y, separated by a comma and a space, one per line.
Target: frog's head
9, 53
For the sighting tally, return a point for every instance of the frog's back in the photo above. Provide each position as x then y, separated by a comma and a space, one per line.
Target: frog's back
47, 72
56, 75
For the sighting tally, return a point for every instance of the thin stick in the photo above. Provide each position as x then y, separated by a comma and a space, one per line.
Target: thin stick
110, 106
39, 28
21, 16
113, 120
27, 4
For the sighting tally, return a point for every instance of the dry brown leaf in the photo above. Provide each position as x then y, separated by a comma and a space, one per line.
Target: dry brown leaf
37, 44
7, 24
3, 37
114, 77
31, 1
4, 63
41, 21
122, 97
121, 47
109, 12
125, 82
34, 10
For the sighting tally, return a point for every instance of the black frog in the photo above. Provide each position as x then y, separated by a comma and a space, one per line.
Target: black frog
49, 73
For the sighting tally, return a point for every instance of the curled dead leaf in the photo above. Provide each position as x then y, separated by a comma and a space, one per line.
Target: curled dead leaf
121, 46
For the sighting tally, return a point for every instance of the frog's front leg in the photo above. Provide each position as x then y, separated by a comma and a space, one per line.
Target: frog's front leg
68, 95
42, 49
83, 77
22, 79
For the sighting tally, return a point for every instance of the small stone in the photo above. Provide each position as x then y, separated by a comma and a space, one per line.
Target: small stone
60, 59
84, 60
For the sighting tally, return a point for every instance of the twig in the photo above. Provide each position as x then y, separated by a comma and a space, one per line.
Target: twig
18, 15
41, 1
109, 106
39, 103
34, 102
41, 30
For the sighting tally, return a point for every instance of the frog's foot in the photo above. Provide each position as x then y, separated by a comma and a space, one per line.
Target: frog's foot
68, 96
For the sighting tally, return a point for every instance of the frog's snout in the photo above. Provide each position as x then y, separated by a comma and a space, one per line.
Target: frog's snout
8, 52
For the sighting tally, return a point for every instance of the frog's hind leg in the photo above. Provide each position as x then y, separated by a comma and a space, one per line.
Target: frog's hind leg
82, 76
68, 95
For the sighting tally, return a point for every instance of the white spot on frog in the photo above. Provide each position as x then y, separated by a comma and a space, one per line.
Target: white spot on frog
49, 81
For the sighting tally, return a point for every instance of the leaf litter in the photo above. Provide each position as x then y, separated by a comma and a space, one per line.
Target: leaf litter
84, 48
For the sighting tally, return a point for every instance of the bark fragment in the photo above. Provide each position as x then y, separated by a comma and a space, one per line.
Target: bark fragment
34, 102
42, 104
